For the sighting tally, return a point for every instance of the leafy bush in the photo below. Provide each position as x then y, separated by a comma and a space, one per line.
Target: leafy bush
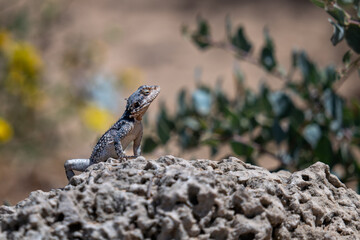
304, 122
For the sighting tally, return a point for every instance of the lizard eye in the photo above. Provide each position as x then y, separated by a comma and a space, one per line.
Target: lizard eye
146, 92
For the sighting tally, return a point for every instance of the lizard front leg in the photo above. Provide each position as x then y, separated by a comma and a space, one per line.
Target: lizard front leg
75, 164
118, 146
136, 146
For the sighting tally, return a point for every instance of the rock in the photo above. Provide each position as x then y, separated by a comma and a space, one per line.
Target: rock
173, 198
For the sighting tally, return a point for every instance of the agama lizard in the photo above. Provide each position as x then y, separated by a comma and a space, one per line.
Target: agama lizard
127, 129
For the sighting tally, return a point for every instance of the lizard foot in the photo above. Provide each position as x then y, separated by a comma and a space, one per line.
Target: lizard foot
124, 157
113, 160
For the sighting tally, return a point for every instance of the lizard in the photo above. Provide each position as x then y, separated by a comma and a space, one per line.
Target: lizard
127, 129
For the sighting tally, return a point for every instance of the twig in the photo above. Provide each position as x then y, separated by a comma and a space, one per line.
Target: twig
240, 54
354, 22
347, 72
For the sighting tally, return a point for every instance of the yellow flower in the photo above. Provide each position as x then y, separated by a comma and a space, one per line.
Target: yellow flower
96, 118
24, 67
6, 131
25, 58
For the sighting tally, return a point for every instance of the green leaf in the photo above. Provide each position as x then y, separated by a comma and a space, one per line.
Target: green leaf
221, 98
201, 36
339, 14
351, 116
294, 58
202, 101
281, 104
188, 139
163, 130
357, 168
346, 154
312, 134
213, 151
211, 142
297, 117
277, 132
241, 149
308, 69
164, 125
267, 59
239, 78
318, 3
346, 2
347, 58
295, 142
192, 123
267, 53
352, 37
265, 136
334, 108
182, 107
324, 151
263, 104
330, 76
149, 145
234, 119
240, 42
338, 33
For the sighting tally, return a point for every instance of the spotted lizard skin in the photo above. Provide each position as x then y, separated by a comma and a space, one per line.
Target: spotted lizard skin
126, 130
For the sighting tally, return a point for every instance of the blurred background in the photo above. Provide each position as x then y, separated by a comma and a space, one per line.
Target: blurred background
66, 67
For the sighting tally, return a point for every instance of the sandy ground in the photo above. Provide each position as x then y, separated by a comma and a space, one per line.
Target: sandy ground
146, 35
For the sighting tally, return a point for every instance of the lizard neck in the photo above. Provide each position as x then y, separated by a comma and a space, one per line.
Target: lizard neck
127, 116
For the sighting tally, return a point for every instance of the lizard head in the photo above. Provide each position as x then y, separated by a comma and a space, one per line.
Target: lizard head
140, 100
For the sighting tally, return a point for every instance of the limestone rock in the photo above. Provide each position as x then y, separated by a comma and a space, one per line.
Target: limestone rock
173, 198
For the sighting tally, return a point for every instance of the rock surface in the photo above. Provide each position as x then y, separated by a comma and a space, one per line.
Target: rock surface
173, 198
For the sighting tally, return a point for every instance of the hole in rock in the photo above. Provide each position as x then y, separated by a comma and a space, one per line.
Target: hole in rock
304, 187
79, 197
193, 192
247, 236
59, 217
265, 202
76, 226
238, 209
305, 177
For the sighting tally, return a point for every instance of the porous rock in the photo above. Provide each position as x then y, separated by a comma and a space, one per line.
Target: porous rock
173, 198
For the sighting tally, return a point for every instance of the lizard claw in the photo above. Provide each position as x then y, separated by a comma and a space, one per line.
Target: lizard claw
112, 160
124, 157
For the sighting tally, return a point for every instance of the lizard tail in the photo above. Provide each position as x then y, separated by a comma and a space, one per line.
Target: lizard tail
75, 164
